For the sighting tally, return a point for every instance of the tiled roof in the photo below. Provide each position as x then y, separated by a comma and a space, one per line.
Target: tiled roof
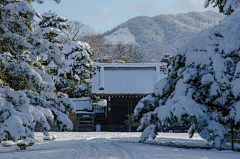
127, 78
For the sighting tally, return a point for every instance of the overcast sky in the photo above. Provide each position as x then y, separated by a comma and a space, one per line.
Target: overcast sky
103, 15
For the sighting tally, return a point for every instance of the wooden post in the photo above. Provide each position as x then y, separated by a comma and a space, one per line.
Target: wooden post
232, 134
78, 123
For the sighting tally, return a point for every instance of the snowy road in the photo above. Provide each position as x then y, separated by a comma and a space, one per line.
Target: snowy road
112, 146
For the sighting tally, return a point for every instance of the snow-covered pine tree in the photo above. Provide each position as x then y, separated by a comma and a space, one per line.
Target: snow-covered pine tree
202, 90
30, 99
51, 26
146, 104
41, 1
224, 6
53, 59
77, 81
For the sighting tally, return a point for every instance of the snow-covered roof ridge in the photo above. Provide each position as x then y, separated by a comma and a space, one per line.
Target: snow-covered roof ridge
130, 64
84, 112
81, 98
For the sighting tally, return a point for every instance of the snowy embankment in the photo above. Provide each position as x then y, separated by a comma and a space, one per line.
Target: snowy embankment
117, 145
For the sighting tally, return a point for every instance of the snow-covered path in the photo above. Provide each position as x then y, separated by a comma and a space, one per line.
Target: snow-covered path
92, 145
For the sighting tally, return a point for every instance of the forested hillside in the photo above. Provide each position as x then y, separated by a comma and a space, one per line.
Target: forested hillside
164, 33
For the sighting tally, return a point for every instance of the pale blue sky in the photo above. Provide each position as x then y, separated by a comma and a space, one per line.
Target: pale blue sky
103, 15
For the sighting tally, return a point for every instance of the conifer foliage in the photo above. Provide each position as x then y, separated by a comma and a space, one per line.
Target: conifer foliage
145, 105
51, 25
202, 89
27, 97
53, 58
77, 57
77, 81
224, 6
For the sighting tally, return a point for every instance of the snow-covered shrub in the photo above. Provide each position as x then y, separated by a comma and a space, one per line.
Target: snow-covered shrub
18, 117
202, 90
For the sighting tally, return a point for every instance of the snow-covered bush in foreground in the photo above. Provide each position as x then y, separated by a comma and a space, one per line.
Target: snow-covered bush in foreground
18, 117
202, 89
30, 99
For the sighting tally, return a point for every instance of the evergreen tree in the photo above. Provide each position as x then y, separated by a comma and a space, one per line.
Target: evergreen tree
27, 92
146, 104
51, 26
224, 6
202, 89
53, 59
77, 81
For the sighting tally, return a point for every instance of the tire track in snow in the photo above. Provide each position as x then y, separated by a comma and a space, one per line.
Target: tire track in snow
120, 153
91, 149
97, 151
120, 150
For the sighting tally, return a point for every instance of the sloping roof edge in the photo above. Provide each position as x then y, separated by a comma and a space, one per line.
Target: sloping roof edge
121, 94
80, 99
130, 64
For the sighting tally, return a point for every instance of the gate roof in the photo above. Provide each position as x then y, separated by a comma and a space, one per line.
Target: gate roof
133, 78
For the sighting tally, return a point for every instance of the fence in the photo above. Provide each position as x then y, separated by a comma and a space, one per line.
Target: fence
118, 128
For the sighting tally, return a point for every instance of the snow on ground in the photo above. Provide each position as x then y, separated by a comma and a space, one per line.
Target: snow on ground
115, 145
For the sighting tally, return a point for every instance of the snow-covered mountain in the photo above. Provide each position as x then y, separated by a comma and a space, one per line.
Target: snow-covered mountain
164, 33
123, 35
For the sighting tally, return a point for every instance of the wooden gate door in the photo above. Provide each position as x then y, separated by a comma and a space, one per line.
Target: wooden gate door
119, 112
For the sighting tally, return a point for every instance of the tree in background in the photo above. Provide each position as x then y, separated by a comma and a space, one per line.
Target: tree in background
75, 32
97, 43
129, 53
202, 89
104, 52
27, 95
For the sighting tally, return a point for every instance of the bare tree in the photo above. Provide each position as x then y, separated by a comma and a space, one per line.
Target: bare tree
133, 51
96, 42
130, 53
103, 51
76, 31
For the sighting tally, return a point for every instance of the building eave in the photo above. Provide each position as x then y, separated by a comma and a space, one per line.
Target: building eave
121, 94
